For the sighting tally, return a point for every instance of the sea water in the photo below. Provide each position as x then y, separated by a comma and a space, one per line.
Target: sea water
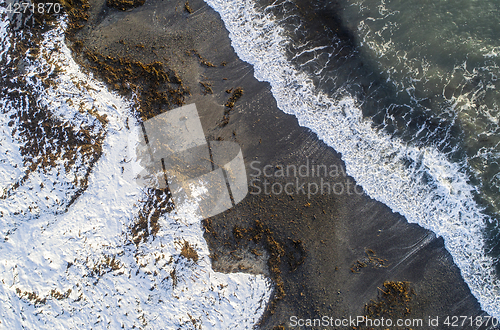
407, 92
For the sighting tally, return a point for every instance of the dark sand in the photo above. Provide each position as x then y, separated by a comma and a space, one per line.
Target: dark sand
335, 231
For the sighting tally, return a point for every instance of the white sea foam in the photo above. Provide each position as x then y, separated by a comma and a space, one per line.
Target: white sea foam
67, 258
444, 204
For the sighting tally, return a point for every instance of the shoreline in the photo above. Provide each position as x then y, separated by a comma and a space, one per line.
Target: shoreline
335, 231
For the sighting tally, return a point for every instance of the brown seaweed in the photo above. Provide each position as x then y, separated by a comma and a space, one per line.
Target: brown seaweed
393, 300
188, 8
237, 94
124, 4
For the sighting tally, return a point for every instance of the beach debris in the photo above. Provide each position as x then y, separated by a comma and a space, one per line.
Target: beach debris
146, 223
158, 88
188, 8
201, 59
188, 252
124, 4
105, 264
32, 297
237, 94
393, 300
207, 88
370, 260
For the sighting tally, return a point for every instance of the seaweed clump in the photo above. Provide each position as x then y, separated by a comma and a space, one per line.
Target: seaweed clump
146, 223
188, 252
393, 300
371, 259
106, 265
201, 59
157, 89
32, 297
78, 16
237, 94
207, 88
188, 8
58, 295
124, 4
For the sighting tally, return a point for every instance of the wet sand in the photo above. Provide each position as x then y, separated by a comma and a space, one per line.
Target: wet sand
332, 252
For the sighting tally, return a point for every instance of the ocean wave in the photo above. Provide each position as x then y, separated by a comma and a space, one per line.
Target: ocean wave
418, 182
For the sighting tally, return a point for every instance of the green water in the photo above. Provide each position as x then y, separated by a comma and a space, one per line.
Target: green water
442, 59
